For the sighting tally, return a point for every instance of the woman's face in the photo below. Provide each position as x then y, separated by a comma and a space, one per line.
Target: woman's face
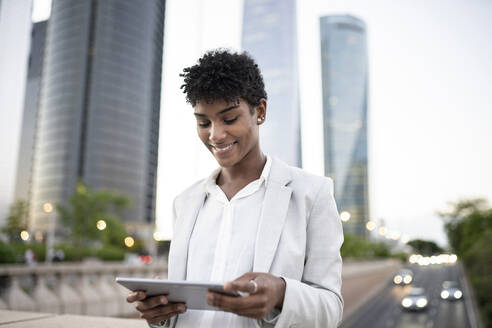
228, 129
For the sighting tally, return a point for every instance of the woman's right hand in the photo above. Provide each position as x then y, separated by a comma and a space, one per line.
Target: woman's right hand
155, 309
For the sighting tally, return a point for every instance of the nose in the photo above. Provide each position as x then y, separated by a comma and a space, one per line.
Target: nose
217, 133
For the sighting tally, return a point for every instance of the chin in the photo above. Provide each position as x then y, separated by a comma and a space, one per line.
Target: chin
228, 161
225, 162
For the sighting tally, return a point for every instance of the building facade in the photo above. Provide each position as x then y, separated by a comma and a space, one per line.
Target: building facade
269, 36
31, 102
99, 107
344, 85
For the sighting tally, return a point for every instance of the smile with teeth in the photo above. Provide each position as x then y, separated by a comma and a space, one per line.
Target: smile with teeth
222, 149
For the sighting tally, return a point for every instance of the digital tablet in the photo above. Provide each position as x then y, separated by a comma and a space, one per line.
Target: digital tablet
193, 294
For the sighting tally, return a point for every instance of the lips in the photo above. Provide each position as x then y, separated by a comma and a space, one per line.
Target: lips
223, 149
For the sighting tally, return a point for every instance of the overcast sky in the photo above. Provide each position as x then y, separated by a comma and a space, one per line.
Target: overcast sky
430, 102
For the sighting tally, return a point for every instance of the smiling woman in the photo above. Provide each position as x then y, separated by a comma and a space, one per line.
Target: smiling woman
230, 132
257, 225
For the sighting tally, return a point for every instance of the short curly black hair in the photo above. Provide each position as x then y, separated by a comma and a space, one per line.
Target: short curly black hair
222, 74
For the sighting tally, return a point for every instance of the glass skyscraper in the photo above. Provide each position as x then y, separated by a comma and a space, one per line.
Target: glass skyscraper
99, 104
269, 36
344, 85
31, 101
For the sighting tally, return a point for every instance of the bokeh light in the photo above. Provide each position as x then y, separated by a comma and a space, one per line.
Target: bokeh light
345, 216
24, 235
129, 241
101, 224
47, 208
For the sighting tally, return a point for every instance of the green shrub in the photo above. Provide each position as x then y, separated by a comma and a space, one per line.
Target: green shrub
38, 249
356, 246
7, 253
74, 253
110, 253
402, 256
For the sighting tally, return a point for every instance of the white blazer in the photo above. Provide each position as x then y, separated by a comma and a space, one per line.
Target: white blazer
299, 238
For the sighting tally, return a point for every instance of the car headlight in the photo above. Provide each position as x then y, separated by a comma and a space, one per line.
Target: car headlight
421, 302
444, 294
407, 279
397, 279
458, 294
406, 302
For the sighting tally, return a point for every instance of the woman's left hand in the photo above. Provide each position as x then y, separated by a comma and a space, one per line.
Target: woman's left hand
268, 293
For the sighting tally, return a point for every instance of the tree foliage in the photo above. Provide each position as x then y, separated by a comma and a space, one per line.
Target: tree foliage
87, 206
469, 228
358, 247
16, 220
425, 247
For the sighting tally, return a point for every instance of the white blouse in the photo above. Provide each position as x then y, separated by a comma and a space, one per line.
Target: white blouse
222, 244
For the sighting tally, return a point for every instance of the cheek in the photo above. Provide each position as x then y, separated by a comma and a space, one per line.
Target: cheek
203, 135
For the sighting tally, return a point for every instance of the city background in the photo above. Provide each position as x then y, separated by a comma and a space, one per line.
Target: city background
390, 99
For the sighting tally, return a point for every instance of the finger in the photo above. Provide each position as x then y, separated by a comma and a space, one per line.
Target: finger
233, 304
243, 285
135, 296
163, 311
242, 280
151, 302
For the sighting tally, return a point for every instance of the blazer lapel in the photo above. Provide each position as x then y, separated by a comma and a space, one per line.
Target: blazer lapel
187, 211
274, 212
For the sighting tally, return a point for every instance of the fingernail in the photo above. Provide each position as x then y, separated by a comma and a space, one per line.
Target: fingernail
182, 308
163, 300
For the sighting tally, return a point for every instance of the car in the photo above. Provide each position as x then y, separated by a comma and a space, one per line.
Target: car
403, 277
416, 300
451, 291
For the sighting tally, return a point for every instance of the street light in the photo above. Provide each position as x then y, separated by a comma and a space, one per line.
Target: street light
38, 236
158, 236
382, 231
129, 242
101, 225
48, 209
345, 216
370, 225
24, 235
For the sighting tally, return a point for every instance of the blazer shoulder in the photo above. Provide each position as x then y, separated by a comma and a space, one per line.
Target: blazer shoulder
304, 179
196, 188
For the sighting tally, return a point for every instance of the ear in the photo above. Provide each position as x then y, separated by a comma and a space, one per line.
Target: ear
261, 111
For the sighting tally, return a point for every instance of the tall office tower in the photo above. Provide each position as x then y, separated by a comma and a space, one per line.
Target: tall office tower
344, 84
99, 104
31, 100
269, 35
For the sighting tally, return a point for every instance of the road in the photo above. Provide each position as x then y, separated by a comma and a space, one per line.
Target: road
384, 310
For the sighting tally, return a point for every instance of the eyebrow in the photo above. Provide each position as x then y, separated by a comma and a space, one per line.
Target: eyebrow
221, 112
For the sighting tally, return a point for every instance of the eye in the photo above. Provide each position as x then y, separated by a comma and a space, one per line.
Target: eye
231, 120
203, 124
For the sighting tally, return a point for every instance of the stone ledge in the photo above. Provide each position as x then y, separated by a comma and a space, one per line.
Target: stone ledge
18, 319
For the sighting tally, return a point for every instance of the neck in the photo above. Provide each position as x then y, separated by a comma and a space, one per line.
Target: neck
249, 168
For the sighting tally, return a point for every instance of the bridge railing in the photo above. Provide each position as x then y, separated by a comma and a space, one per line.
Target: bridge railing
90, 288
73, 288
